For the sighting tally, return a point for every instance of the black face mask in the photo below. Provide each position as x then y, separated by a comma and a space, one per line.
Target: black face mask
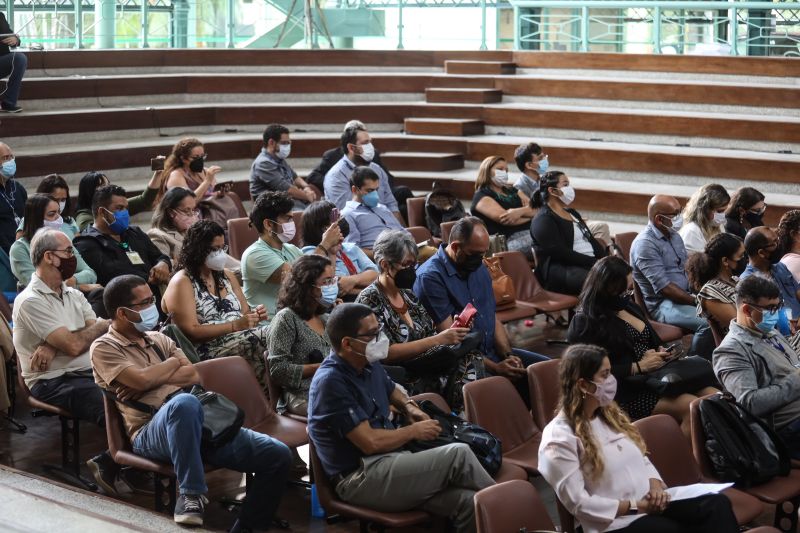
776, 255
344, 227
405, 278
753, 219
470, 263
739, 267
619, 302
196, 165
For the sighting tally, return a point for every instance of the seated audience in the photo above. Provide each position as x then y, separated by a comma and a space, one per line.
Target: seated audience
757, 364
297, 340
565, 247
713, 275
358, 151
56, 187
53, 328
208, 305
91, 181
354, 269
456, 276
596, 461
703, 216
361, 449
266, 261
504, 209
41, 211
271, 172
609, 318
365, 216
11, 211
132, 361
533, 163
409, 327
112, 247
789, 241
745, 211
173, 216
764, 253
185, 167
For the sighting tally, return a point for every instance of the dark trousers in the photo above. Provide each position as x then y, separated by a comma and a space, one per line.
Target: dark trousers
706, 514
790, 435
565, 279
15, 64
76, 392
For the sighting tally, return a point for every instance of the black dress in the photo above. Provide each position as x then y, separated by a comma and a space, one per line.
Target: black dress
642, 404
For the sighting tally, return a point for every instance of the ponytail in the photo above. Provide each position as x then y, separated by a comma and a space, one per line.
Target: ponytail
542, 195
704, 266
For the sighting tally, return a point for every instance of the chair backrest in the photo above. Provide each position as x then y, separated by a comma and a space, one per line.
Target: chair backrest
325, 491
624, 241
516, 265
115, 428
5, 307
297, 216
699, 440
238, 201
669, 450
274, 389
713, 325
437, 400
446, 227
543, 385
416, 211
509, 507
638, 297
494, 404
240, 236
234, 378
419, 233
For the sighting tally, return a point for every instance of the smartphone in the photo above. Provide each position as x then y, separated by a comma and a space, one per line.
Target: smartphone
228, 185
334, 214
157, 163
464, 320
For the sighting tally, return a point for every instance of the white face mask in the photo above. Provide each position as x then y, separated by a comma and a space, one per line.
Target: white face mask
500, 178
377, 349
284, 150
288, 231
367, 152
568, 194
62, 205
216, 260
719, 218
677, 221
54, 224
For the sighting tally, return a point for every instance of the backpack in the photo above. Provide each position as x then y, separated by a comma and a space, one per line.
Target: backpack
442, 205
486, 447
741, 447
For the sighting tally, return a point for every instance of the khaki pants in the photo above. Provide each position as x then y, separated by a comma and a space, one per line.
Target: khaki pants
600, 230
442, 481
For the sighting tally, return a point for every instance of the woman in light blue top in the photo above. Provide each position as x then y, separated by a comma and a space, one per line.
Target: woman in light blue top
56, 186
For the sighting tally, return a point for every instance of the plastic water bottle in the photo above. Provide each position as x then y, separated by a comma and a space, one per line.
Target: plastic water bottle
317, 510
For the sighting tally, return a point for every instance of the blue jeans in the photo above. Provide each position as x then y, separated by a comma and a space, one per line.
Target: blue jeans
681, 315
14, 63
174, 435
528, 358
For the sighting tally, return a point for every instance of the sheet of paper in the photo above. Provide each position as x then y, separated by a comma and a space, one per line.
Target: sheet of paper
687, 492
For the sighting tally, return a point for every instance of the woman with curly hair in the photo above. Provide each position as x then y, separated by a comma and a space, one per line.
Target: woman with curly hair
596, 460
298, 341
789, 241
207, 303
704, 215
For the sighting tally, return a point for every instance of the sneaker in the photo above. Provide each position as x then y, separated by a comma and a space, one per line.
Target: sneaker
10, 108
105, 471
189, 509
138, 481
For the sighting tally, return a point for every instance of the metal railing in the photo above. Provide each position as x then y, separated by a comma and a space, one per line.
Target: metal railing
682, 27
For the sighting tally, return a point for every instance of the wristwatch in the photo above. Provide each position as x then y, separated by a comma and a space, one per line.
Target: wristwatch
632, 507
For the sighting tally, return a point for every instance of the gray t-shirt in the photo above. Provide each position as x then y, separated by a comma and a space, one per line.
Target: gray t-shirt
268, 173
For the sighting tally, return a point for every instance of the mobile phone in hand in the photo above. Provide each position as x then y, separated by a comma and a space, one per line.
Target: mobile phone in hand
464, 320
334, 214
228, 185
157, 163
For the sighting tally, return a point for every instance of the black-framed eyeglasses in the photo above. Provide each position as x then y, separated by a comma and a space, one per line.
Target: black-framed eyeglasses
144, 303
203, 157
769, 309
369, 336
69, 251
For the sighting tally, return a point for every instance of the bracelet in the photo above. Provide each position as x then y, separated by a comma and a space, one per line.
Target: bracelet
323, 249
233, 326
412, 402
638, 368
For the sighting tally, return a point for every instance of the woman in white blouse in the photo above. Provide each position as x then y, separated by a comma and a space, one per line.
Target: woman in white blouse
704, 215
596, 461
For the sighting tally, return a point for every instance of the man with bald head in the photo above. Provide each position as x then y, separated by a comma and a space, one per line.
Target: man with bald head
456, 276
658, 258
764, 253
12, 198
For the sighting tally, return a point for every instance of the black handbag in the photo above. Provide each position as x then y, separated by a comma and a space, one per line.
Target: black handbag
441, 360
680, 376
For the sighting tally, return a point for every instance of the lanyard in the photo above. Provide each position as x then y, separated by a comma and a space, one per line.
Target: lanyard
10, 201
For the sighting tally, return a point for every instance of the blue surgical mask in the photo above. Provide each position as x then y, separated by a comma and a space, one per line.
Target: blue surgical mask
768, 321
329, 294
544, 164
121, 222
149, 319
370, 199
9, 168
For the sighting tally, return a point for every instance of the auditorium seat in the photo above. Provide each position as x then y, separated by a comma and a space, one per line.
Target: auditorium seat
543, 384
511, 507
416, 211
624, 241
446, 227
240, 235
275, 392
528, 288
666, 332
419, 233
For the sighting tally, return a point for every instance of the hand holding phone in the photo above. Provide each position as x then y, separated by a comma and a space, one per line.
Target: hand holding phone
334, 214
227, 186
465, 319
157, 163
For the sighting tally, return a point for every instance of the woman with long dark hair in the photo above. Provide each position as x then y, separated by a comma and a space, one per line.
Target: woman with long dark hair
56, 187
207, 304
91, 181
596, 460
745, 212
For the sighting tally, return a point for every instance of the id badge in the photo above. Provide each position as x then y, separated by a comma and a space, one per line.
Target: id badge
134, 258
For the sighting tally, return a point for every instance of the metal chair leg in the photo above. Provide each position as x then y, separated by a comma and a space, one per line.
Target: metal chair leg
70, 469
786, 515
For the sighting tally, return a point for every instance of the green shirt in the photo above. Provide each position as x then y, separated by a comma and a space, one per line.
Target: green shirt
259, 263
23, 269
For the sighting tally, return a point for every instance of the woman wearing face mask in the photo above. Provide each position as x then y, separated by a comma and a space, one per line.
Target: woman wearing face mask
608, 317
91, 181
789, 241
745, 211
565, 247
409, 327
185, 167
713, 275
56, 187
503, 208
704, 216
207, 303
297, 340
597, 461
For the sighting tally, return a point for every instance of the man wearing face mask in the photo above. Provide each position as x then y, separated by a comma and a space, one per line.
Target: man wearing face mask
266, 261
366, 217
271, 172
764, 253
358, 151
360, 447
54, 326
12, 198
757, 364
533, 163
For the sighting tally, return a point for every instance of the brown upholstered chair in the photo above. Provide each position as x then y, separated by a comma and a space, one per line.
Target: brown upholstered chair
240, 236
416, 211
666, 332
624, 241
238, 201
275, 391
494, 404
297, 216
671, 454
367, 517
509, 507
527, 285
446, 227
783, 492
543, 386
419, 233
5, 308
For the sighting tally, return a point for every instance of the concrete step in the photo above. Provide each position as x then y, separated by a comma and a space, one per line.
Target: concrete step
480, 67
463, 96
443, 126
423, 161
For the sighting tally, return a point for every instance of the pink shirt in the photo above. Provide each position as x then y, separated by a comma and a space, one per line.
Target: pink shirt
792, 262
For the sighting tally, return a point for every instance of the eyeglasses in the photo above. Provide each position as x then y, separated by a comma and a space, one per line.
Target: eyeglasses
769, 309
203, 157
189, 212
144, 303
758, 212
223, 249
9, 157
407, 264
328, 282
369, 336
69, 251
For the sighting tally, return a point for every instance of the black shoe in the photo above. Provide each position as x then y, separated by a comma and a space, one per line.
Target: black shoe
138, 481
105, 471
10, 108
189, 509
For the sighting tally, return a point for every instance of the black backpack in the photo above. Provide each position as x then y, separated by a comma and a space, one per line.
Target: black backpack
740, 446
486, 447
442, 205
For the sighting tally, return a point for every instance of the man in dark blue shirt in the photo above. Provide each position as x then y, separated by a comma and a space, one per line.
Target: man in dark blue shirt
359, 446
12, 198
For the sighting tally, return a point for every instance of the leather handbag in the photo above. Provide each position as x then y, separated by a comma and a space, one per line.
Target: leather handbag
681, 376
497, 243
505, 295
440, 360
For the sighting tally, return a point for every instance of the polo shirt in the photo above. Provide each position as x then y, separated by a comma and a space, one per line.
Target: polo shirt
445, 292
785, 281
366, 223
341, 398
355, 254
658, 261
12, 208
337, 184
38, 312
259, 262
268, 173
113, 353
